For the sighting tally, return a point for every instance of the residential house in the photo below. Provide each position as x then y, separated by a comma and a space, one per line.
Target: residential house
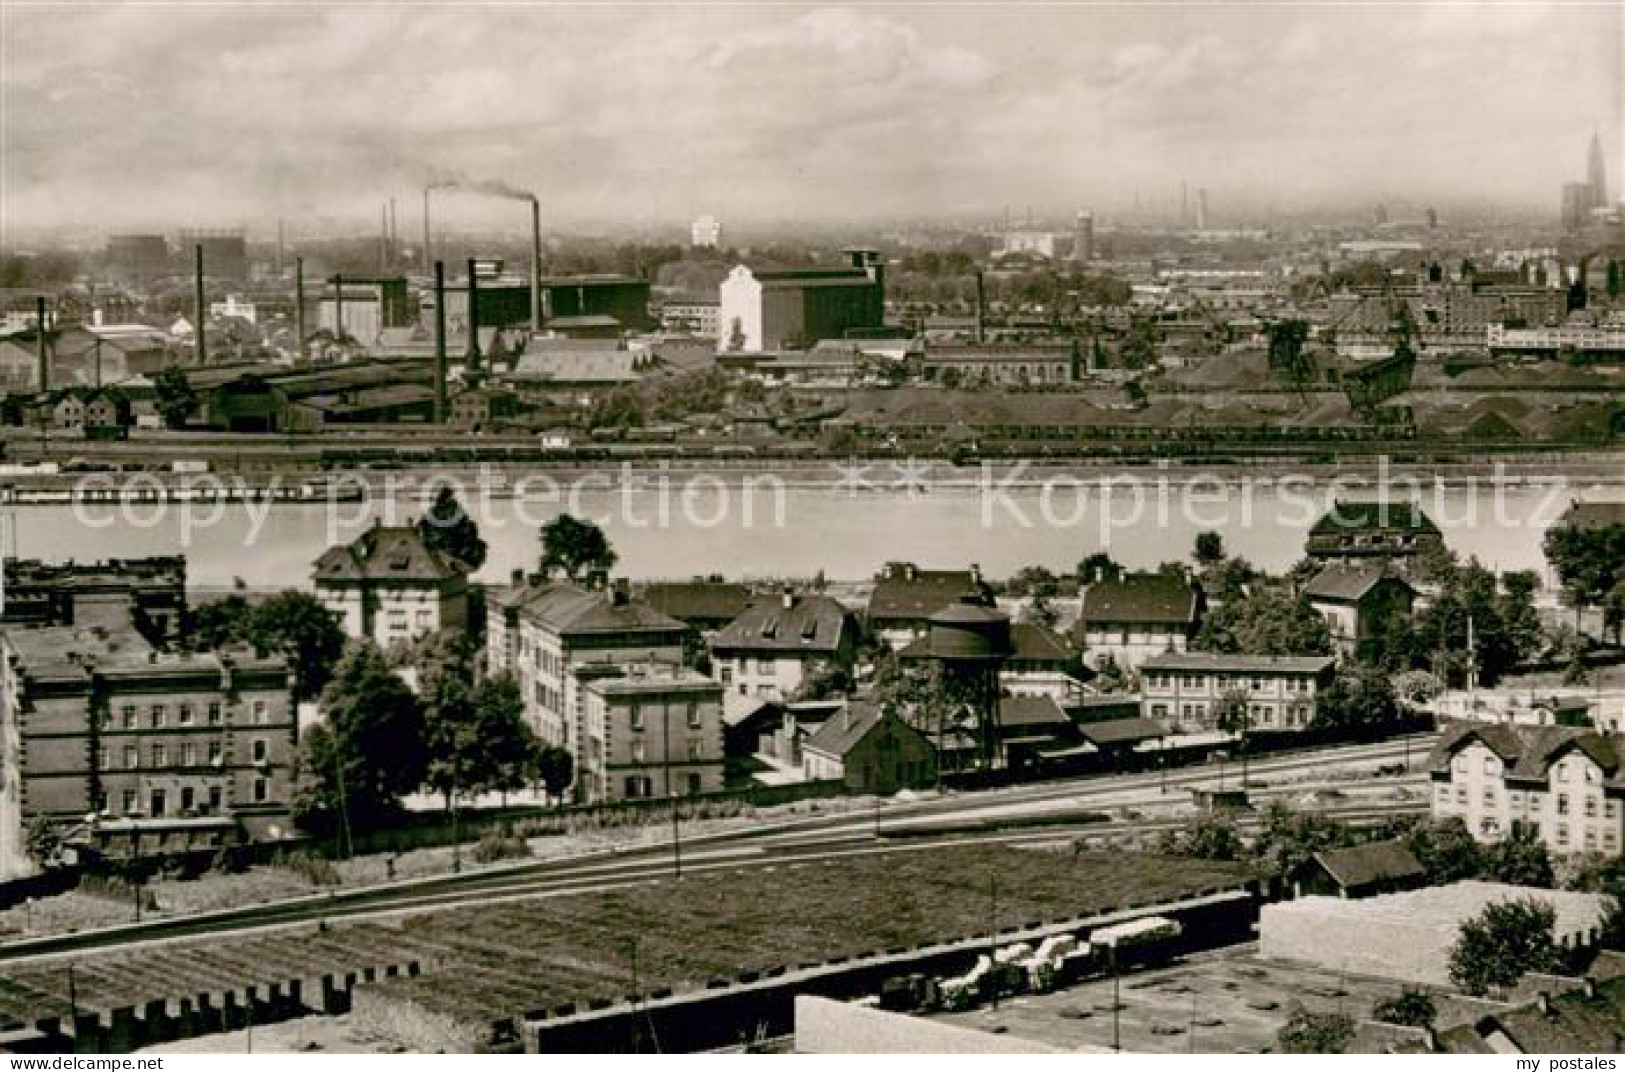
905, 597
1564, 783
1137, 616
1360, 871
648, 729
779, 642
543, 631
1189, 689
871, 750
1359, 602
164, 752
389, 586
1356, 531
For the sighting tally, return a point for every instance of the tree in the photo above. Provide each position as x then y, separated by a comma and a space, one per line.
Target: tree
448, 529
219, 623
1315, 1032
1359, 701
1590, 561
1612, 285
555, 767
1265, 623
1288, 839
507, 737
1211, 837
617, 411
368, 752
1411, 1007
1500, 945
296, 626
454, 754
1520, 859
1098, 567
1209, 551
173, 396
1447, 850
575, 547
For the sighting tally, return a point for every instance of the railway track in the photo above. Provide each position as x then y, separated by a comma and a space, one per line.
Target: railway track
767, 846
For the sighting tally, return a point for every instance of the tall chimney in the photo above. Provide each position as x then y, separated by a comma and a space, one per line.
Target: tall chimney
281, 245
425, 258
40, 351
338, 309
299, 308
535, 264
383, 239
200, 347
394, 235
471, 353
439, 342
981, 304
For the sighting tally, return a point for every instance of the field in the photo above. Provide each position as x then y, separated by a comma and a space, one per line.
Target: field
507, 959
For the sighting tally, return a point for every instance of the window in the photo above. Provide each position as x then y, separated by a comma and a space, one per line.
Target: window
635, 718
696, 748
132, 757
259, 750
216, 753
727, 674
262, 712
214, 713
131, 803
1562, 803
1443, 794
159, 803
262, 790
694, 721
1489, 795
694, 784
160, 715
188, 798
1490, 765
160, 755
104, 758
765, 667
127, 716
215, 797
184, 714
1591, 807
189, 754
1461, 794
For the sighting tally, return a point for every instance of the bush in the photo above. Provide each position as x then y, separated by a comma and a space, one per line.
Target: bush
494, 846
313, 869
1315, 1032
1410, 1008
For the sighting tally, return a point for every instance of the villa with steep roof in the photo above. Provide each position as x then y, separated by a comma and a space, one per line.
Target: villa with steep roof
388, 586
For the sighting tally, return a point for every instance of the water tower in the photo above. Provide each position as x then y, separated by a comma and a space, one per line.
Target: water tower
970, 643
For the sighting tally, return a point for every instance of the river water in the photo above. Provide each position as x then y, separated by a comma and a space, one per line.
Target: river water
846, 527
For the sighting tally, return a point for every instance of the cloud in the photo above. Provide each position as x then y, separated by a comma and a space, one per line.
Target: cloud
219, 114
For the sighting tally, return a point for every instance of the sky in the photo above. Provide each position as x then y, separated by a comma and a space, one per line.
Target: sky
168, 115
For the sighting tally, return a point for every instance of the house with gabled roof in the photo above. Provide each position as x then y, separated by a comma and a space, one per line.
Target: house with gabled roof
905, 596
1373, 529
389, 586
1360, 871
1564, 783
871, 749
778, 642
1357, 600
1137, 616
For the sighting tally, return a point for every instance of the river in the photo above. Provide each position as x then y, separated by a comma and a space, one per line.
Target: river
847, 528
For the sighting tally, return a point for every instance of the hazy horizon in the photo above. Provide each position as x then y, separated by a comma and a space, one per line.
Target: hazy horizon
171, 115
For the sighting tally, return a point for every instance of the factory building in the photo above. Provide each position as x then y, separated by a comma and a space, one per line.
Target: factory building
792, 309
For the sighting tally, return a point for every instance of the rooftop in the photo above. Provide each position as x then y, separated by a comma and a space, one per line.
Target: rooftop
1528, 752
1141, 597
1346, 583
785, 623
1223, 662
387, 553
1371, 863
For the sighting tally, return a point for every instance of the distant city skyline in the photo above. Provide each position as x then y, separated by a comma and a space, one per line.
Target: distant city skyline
165, 115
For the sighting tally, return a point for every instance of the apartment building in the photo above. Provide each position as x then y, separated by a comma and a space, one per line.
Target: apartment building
648, 730
1566, 783
1188, 689
543, 631
133, 750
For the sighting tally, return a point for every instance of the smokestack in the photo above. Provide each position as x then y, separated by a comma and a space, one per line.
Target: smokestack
201, 348
535, 264
338, 308
439, 342
981, 304
299, 308
383, 238
281, 244
425, 258
471, 355
394, 235
40, 351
